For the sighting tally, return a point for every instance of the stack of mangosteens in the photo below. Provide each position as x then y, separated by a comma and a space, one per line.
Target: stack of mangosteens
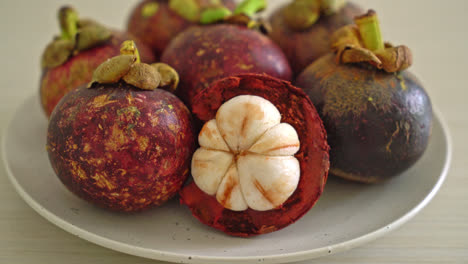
122, 132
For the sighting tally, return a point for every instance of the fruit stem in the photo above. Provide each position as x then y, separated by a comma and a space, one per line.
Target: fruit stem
212, 15
129, 47
250, 7
330, 7
369, 28
68, 19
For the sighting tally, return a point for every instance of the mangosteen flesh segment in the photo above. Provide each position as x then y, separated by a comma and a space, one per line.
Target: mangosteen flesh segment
246, 156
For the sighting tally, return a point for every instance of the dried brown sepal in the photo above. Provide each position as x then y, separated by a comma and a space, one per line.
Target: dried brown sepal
262, 26
85, 22
57, 53
301, 14
353, 54
348, 46
112, 70
143, 76
91, 36
346, 36
169, 77
239, 19
395, 58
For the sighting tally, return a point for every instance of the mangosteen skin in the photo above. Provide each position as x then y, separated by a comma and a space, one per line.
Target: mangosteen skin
378, 124
119, 147
202, 55
304, 47
297, 110
78, 70
160, 28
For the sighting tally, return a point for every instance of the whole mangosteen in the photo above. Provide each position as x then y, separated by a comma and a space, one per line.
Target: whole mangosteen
303, 28
157, 22
377, 114
70, 59
203, 54
263, 156
122, 144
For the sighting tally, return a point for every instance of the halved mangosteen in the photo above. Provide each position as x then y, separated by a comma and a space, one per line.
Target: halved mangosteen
263, 160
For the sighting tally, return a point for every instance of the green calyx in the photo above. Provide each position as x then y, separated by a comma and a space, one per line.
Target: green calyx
301, 14
188, 9
215, 14
213, 11
149, 9
250, 7
76, 35
128, 68
241, 15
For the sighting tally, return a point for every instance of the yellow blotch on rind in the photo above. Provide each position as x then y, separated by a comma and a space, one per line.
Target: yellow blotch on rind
103, 182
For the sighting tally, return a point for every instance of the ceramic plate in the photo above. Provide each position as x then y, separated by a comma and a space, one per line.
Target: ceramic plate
346, 216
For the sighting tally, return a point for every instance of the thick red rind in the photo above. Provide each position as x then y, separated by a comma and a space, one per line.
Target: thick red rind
297, 110
119, 147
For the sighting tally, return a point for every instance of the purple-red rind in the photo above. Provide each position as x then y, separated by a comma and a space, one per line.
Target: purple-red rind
119, 147
303, 47
202, 55
158, 29
379, 138
297, 110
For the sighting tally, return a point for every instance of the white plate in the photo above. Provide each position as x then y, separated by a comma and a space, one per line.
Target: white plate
346, 216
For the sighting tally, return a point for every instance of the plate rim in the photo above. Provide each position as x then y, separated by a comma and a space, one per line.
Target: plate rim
191, 258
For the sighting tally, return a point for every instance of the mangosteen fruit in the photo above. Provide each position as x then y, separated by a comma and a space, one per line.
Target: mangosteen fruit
122, 144
263, 157
70, 59
303, 28
157, 22
377, 114
203, 54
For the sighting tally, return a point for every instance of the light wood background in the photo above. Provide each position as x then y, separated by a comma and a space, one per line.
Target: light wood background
437, 32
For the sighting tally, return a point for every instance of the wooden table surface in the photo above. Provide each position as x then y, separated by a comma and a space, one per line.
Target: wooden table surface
437, 32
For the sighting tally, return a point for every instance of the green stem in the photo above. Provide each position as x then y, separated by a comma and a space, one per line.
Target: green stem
212, 15
129, 47
369, 28
68, 19
250, 7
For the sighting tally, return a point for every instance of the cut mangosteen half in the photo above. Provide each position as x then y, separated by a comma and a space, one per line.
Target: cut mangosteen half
263, 160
